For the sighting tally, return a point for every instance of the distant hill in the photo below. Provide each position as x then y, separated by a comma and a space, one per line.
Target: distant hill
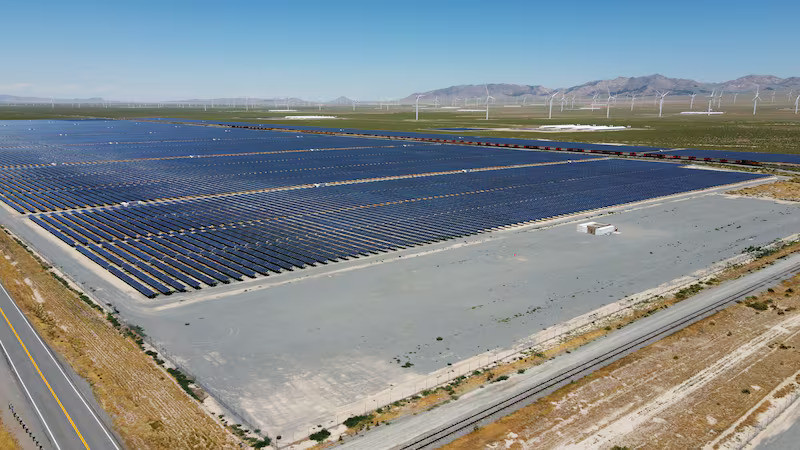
18, 99
640, 86
224, 101
500, 91
505, 92
341, 101
647, 85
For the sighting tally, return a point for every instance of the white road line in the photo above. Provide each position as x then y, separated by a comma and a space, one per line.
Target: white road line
30, 397
97, 419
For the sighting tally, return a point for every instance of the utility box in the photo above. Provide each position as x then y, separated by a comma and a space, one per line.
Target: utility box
596, 228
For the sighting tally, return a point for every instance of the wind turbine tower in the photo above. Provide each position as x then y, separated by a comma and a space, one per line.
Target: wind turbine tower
661, 102
633, 99
691, 102
608, 103
711, 100
755, 101
487, 101
796, 101
550, 114
417, 106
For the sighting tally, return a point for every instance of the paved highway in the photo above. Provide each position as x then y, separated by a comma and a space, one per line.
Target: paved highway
445, 423
65, 418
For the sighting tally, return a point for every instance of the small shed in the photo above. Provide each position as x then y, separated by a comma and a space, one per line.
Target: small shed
596, 228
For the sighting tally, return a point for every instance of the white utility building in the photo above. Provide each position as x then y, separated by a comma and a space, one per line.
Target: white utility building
596, 228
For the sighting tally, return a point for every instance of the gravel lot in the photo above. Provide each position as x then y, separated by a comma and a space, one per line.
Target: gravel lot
295, 350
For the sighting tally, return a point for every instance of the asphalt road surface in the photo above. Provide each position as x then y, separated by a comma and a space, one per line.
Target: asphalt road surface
450, 421
65, 418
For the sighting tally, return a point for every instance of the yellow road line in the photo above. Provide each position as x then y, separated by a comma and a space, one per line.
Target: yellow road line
64, 410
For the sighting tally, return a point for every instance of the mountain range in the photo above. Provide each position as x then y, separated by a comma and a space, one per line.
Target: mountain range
504, 92
640, 86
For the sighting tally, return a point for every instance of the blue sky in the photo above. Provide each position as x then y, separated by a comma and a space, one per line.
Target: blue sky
147, 50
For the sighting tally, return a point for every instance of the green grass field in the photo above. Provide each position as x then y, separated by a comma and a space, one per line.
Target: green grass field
775, 129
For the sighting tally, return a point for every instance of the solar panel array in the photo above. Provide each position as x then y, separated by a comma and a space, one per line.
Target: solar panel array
753, 156
231, 216
474, 136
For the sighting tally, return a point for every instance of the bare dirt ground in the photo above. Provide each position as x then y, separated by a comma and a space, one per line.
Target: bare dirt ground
782, 190
711, 384
7, 441
149, 410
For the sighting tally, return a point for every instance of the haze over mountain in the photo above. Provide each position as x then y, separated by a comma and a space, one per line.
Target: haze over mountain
502, 92
641, 86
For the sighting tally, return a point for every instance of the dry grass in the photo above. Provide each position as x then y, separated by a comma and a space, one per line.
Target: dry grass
149, 410
578, 410
7, 441
781, 190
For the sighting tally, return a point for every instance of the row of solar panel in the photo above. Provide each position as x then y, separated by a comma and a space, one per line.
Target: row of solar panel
142, 220
228, 240
698, 153
24, 146
40, 189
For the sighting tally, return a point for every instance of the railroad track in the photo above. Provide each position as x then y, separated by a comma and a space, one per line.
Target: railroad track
504, 407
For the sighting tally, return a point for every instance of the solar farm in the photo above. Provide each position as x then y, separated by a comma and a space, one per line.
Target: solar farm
304, 274
173, 207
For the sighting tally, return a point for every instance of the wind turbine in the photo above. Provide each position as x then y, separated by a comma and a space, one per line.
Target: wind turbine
796, 101
719, 99
633, 99
608, 103
487, 101
735, 94
691, 102
711, 99
563, 100
550, 114
755, 101
661, 102
773, 97
417, 105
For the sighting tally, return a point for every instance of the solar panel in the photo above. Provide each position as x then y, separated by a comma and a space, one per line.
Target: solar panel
169, 208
